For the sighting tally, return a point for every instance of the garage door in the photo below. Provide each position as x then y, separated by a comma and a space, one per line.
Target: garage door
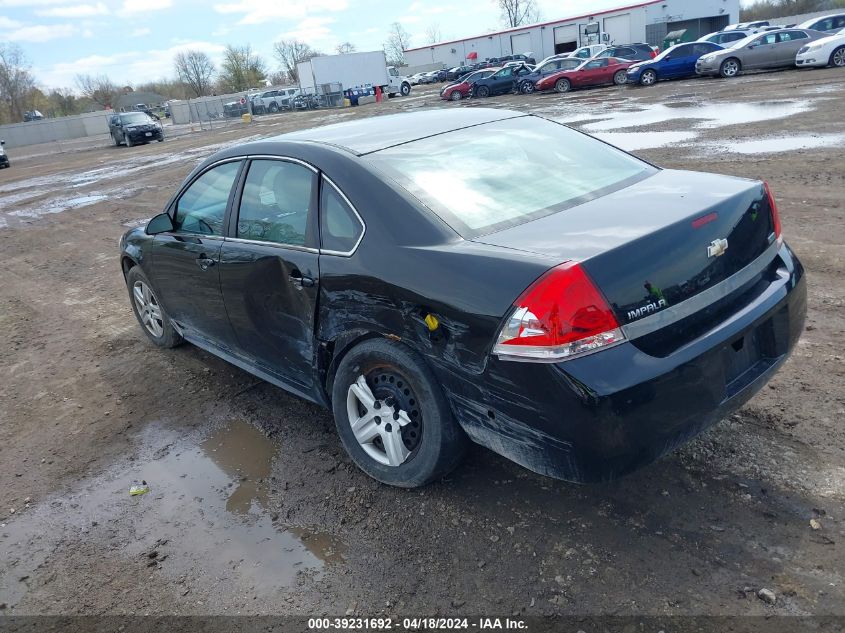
566, 34
619, 28
521, 43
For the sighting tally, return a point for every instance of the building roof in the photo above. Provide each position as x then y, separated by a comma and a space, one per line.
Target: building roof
530, 26
374, 133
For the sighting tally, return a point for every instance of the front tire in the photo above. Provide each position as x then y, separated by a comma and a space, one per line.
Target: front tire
127, 141
526, 87
730, 68
274, 107
150, 314
482, 92
620, 78
392, 416
562, 85
405, 89
837, 57
648, 78
456, 95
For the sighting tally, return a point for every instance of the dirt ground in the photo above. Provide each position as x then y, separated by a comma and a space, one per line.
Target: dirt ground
254, 508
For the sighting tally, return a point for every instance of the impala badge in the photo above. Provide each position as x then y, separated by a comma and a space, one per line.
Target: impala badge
717, 248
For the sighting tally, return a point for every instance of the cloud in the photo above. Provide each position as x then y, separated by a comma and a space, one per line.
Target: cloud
40, 33
8, 23
141, 32
261, 11
74, 11
311, 30
133, 67
31, 3
138, 6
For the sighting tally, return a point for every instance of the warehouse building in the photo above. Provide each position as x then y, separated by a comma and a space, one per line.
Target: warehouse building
648, 22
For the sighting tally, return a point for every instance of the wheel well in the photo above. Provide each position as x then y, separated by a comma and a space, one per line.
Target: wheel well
126, 263
335, 351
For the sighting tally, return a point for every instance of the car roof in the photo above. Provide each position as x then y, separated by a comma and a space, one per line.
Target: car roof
818, 19
375, 133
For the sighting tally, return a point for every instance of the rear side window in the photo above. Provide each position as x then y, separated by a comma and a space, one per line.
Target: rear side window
203, 205
276, 202
467, 177
340, 227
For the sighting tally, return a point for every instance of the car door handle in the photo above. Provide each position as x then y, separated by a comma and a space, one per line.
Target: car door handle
299, 281
205, 262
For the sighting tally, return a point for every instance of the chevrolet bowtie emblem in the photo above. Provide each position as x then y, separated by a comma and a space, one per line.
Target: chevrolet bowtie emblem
717, 248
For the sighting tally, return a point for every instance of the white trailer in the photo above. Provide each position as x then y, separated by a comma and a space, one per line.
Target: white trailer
352, 70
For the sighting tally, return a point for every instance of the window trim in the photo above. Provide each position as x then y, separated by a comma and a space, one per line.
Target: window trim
174, 203
349, 253
232, 228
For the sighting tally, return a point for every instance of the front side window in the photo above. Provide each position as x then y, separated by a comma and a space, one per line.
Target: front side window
466, 177
203, 205
505, 72
276, 202
340, 228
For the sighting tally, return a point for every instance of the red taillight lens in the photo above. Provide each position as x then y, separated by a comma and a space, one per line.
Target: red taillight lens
561, 315
775, 213
655, 53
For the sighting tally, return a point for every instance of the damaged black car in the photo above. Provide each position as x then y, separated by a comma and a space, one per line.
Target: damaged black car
582, 322
132, 128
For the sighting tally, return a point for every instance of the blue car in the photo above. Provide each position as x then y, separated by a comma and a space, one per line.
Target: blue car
674, 63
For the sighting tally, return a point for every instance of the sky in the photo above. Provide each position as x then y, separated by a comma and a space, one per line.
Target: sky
134, 41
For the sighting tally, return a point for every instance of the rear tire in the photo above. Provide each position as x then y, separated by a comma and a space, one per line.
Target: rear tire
395, 380
274, 107
482, 91
730, 68
562, 85
148, 311
837, 57
620, 78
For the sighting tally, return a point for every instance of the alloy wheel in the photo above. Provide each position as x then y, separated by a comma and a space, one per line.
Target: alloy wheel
648, 78
562, 85
838, 57
148, 308
456, 95
620, 78
385, 419
730, 68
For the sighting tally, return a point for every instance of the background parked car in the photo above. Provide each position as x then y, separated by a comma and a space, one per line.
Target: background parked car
585, 52
131, 128
32, 115
457, 72
726, 38
674, 63
773, 49
463, 88
828, 24
632, 52
500, 82
4, 158
827, 51
594, 72
528, 82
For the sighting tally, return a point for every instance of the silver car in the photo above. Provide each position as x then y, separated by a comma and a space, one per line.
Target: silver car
772, 49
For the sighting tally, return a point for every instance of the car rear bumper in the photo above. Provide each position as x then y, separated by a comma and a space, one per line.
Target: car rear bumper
600, 416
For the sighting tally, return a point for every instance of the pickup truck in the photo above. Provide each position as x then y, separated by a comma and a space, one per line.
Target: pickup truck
273, 100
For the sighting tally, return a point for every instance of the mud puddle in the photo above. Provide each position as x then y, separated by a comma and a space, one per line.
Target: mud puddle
780, 144
206, 515
709, 115
632, 141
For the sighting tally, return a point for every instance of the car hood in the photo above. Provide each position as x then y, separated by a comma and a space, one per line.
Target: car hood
638, 65
830, 39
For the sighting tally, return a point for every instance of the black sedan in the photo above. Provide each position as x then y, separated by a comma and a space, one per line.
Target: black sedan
501, 82
131, 128
392, 270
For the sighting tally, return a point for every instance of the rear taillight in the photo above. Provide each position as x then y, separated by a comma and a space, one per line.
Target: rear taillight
775, 213
560, 316
654, 52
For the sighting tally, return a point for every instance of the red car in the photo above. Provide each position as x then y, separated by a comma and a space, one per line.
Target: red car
463, 88
595, 72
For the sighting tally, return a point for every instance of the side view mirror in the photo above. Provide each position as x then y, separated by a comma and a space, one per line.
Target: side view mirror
752, 47
162, 223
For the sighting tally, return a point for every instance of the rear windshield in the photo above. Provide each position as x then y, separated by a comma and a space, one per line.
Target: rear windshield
488, 177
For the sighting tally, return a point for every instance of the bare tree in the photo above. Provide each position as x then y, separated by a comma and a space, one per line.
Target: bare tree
518, 12
765, 9
16, 82
345, 47
100, 89
241, 69
398, 40
195, 69
432, 33
290, 53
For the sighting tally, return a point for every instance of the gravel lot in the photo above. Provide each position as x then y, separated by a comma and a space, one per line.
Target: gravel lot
254, 507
